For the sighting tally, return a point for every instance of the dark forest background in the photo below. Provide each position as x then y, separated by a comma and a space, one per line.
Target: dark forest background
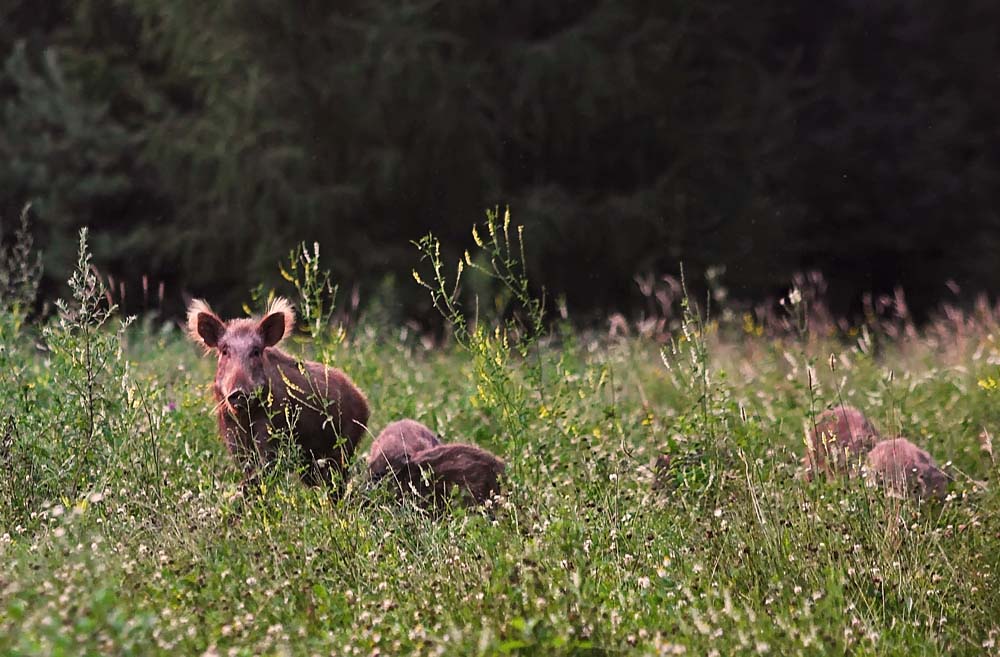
201, 141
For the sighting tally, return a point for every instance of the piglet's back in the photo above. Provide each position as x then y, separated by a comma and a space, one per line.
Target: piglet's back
903, 469
472, 469
398, 443
838, 442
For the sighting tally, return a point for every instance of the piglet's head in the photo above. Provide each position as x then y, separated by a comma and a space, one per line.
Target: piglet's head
242, 347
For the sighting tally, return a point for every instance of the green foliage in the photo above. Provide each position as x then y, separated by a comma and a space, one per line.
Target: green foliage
508, 380
317, 294
125, 531
76, 418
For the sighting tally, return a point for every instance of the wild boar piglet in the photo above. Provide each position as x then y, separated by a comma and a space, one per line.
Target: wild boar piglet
837, 442
903, 469
416, 461
475, 472
396, 445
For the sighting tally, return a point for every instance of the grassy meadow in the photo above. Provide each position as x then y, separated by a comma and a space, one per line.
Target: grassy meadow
123, 529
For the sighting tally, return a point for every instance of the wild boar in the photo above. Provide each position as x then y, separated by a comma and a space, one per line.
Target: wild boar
903, 469
473, 471
261, 392
836, 444
396, 445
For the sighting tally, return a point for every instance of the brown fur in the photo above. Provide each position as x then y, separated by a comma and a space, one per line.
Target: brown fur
396, 445
260, 390
838, 441
474, 471
903, 469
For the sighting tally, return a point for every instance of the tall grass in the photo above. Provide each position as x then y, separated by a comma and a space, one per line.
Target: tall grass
124, 531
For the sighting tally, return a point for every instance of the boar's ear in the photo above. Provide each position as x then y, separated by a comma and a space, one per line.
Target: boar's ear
278, 322
204, 326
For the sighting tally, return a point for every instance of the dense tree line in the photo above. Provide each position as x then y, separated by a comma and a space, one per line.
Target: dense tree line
200, 141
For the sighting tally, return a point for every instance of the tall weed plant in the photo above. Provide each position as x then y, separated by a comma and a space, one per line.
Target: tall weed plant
507, 369
78, 422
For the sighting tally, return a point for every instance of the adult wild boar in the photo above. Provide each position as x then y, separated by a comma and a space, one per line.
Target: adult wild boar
261, 391
837, 443
399, 442
902, 469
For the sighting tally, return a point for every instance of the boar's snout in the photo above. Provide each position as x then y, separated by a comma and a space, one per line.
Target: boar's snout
238, 399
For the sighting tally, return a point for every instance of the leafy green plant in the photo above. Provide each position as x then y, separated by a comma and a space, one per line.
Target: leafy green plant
705, 431
316, 291
507, 368
78, 419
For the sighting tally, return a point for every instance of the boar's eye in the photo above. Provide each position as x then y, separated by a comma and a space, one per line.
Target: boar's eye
224, 350
255, 352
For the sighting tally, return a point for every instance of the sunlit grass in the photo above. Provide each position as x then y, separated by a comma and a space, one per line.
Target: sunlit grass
733, 554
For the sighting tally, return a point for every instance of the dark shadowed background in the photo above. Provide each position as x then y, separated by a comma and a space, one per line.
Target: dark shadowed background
200, 141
